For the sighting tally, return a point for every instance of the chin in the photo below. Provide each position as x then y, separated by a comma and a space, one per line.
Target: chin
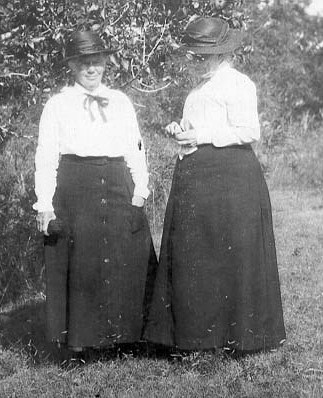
92, 85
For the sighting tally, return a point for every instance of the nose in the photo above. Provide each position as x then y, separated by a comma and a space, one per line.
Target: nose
91, 68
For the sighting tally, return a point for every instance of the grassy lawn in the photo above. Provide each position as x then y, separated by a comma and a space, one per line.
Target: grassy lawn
29, 368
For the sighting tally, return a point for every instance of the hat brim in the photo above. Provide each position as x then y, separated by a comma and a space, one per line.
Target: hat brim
232, 42
105, 51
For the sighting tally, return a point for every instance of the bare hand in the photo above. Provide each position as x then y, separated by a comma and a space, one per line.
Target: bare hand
43, 218
187, 138
173, 128
138, 201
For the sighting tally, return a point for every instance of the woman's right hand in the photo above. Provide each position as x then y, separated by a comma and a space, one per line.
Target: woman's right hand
173, 128
43, 218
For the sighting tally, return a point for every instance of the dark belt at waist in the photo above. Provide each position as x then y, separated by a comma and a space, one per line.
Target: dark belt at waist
91, 159
235, 146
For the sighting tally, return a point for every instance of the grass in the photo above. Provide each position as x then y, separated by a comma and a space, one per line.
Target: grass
30, 368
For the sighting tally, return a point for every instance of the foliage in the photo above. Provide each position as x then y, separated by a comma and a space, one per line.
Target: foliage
34, 33
21, 263
285, 63
287, 66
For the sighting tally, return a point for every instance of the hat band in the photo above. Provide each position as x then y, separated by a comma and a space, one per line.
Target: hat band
203, 41
88, 48
84, 47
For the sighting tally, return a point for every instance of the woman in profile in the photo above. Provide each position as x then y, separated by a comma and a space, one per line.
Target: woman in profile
217, 284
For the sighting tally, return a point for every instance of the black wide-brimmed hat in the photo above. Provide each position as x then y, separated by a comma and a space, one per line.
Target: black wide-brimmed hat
85, 43
208, 35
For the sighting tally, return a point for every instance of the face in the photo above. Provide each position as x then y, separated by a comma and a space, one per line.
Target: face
196, 63
195, 57
206, 63
88, 70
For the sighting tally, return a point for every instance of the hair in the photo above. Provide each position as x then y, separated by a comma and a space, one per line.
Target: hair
72, 65
206, 68
226, 57
213, 61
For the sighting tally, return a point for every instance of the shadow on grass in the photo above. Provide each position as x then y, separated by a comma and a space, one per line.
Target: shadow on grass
23, 329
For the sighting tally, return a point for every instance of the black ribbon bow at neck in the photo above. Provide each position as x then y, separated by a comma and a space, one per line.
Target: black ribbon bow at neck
101, 101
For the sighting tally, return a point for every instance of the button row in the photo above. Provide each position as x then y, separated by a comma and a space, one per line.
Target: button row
104, 201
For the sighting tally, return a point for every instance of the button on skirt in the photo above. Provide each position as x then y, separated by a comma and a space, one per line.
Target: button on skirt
100, 271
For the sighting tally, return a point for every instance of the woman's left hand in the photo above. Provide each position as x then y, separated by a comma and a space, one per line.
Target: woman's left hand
137, 201
186, 138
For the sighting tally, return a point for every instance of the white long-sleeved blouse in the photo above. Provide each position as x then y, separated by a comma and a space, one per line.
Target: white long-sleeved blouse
223, 110
70, 124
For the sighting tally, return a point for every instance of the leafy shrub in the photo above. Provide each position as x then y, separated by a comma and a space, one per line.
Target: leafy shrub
20, 254
285, 62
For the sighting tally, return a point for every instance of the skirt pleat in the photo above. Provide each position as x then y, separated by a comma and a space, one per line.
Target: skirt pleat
217, 283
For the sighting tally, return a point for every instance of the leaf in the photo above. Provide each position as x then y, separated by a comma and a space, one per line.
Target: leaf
96, 27
114, 60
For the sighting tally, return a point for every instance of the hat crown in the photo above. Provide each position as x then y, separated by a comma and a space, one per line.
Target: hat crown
212, 30
210, 35
84, 43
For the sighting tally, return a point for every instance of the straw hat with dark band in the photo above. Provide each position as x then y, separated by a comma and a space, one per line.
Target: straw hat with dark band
85, 43
206, 35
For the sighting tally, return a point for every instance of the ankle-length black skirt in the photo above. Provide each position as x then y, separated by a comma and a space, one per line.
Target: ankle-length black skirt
99, 270
217, 283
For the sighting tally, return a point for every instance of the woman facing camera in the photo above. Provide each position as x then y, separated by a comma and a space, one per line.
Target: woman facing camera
91, 184
217, 284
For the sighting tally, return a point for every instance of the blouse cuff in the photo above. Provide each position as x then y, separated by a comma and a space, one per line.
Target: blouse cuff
203, 136
42, 207
141, 191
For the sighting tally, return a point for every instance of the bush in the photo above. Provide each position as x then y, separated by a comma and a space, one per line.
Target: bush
286, 65
21, 248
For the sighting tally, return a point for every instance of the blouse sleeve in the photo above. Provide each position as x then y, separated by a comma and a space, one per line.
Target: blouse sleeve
46, 159
233, 120
242, 112
135, 154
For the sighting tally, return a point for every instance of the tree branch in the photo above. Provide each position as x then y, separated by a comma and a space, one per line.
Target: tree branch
157, 43
14, 74
141, 90
126, 8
